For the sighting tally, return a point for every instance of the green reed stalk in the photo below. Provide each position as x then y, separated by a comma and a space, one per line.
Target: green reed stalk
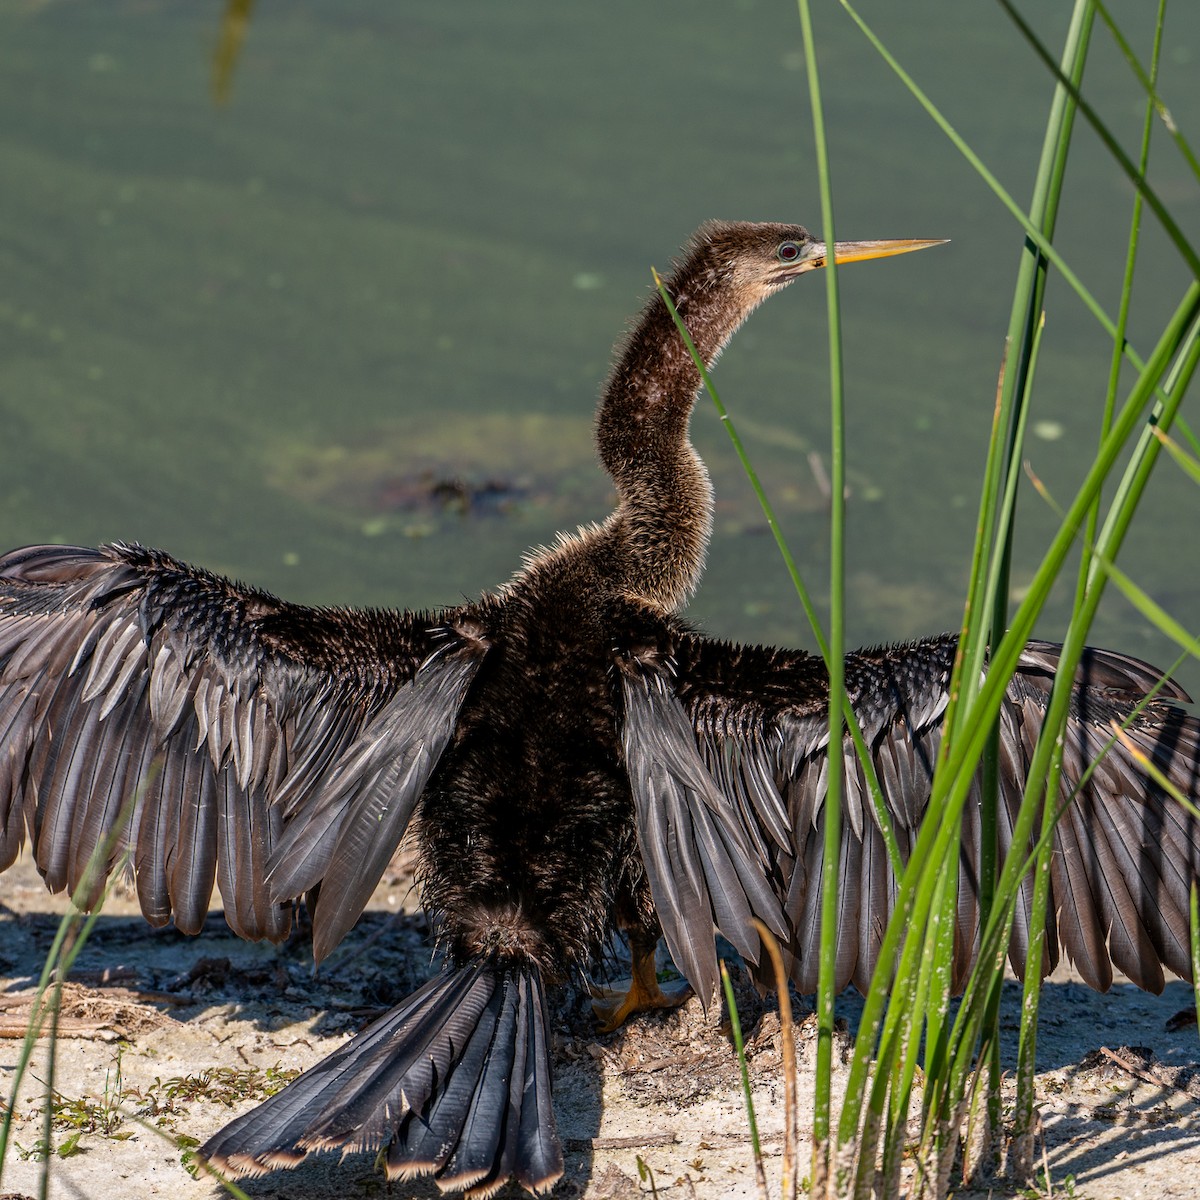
1149, 81
915, 963
1169, 224
848, 715
1135, 227
1026, 323
988, 595
974, 703
1017, 863
952, 785
1056, 260
823, 1180
1023, 1118
735, 1025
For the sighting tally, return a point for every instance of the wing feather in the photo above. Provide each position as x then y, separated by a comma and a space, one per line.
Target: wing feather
701, 861
1125, 853
151, 707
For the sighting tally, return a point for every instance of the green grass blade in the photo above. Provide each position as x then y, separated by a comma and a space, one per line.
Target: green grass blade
1139, 181
976, 708
827, 966
1195, 947
1044, 765
735, 1026
928, 1023
954, 781
1185, 461
954, 776
1026, 326
997, 189
1023, 1119
1114, 371
882, 817
1029, 317
1026, 321
1149, 82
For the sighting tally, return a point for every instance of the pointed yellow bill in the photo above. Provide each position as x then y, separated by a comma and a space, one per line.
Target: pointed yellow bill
848, 252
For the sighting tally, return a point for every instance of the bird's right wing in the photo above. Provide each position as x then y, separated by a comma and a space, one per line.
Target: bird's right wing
214, 733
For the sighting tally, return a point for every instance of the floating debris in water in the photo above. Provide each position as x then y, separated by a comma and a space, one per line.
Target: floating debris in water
427, 491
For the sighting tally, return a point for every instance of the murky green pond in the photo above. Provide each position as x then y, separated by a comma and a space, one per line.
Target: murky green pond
342, 336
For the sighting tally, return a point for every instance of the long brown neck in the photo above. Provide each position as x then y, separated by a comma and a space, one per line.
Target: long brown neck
665, 505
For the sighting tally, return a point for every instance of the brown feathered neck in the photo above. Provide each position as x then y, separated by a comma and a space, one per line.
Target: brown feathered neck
665, 503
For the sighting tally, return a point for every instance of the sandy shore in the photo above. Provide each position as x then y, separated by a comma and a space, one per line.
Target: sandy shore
172, 1036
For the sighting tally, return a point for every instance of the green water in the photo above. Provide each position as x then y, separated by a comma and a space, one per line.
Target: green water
402, 251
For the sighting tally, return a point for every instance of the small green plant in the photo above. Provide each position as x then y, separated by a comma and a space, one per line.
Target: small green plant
73, 932
645, 1174
38, 1152
223, 1085
187, 1159
85, 1115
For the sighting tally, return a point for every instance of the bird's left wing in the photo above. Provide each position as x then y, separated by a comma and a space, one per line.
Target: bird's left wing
709, 854
758, 720
746, 729
215, 734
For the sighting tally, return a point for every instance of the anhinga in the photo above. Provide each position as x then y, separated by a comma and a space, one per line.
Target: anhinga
573, 756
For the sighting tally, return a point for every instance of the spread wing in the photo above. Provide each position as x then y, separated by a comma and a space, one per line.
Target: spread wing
706, 860
213, 733
752, 724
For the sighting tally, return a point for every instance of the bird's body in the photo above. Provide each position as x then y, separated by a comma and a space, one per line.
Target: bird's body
508, 862
573, 756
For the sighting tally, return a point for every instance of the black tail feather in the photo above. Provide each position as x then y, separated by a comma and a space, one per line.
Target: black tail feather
402, 1065
312, 1112
481, 1142
540, 1162
455, 1082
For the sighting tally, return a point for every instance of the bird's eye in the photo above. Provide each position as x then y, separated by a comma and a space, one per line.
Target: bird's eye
789, 252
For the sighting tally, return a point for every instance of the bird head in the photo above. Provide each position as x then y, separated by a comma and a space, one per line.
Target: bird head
754, 260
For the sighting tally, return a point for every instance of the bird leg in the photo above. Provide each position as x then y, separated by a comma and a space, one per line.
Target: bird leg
644, 993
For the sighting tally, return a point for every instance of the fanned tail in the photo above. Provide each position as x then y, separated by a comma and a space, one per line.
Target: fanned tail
455, 1083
